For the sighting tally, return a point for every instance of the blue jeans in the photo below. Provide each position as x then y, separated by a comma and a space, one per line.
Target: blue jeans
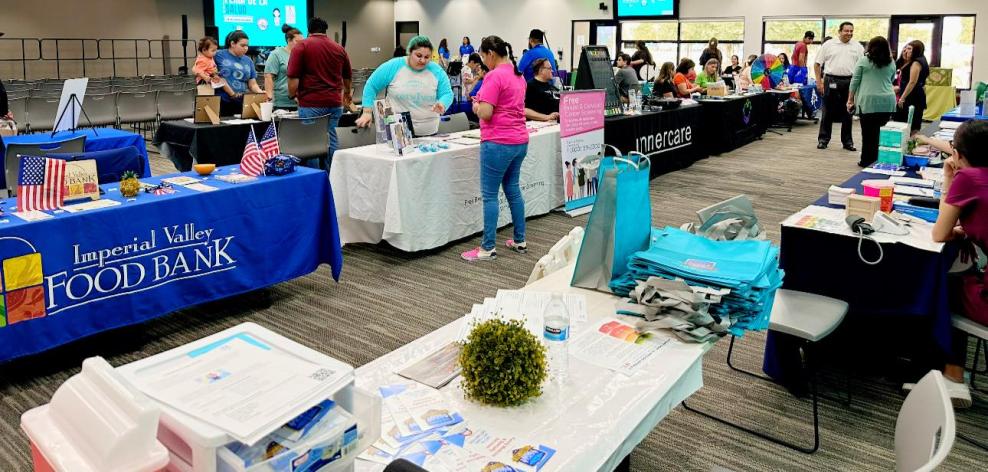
334, 118
500, 164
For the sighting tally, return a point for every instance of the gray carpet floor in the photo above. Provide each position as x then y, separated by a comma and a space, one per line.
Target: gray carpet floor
387, 298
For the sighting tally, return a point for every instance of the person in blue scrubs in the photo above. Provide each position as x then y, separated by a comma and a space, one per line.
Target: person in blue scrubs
536, 50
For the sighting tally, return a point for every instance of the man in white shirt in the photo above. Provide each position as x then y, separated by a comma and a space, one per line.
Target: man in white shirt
839, 56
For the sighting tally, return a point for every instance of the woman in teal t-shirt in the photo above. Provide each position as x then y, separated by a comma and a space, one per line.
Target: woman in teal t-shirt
414, 84
871, 95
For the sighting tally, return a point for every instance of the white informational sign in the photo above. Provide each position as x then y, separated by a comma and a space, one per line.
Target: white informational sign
70, 117
581, 122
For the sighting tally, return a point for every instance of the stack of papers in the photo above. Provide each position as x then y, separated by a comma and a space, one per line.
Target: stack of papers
831, 220
239, 385
522, 305
749, 270
418, 426
616, 346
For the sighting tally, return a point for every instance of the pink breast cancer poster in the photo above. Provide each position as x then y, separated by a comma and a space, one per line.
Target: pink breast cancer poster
581, 124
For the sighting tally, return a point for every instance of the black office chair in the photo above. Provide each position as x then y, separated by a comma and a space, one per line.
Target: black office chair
12, 163
402, 465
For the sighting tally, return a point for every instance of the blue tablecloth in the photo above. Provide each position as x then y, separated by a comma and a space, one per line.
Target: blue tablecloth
108, 138
900, 301
955, 115
81, 273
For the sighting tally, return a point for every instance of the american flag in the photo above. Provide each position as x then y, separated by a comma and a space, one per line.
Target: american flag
40, 184
269, 142
252, 162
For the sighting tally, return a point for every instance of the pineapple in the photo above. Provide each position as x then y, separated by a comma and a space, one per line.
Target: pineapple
129, 185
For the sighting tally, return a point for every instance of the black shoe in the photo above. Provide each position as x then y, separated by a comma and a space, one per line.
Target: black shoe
862, 164
850, 147
821, 145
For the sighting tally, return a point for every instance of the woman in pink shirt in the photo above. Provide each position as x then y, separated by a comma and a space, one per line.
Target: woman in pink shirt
964, 217
500, 105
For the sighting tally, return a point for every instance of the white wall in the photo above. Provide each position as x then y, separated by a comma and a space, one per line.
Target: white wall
512, 19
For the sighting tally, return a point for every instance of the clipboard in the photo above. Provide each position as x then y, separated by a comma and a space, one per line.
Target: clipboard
207, 109
252, 106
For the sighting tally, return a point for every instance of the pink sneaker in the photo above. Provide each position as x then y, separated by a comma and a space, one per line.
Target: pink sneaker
520, 248
478, 254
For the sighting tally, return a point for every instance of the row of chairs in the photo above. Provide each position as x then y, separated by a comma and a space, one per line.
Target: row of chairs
99, 90
34, 114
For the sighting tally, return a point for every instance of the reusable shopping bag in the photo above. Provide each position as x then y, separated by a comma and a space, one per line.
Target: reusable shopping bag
620, 222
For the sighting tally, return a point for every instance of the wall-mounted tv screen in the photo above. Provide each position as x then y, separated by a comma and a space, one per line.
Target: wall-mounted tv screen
260, 19
645, 9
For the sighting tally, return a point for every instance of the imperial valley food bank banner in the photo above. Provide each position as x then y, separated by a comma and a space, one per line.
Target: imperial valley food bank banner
581, 124
77, 274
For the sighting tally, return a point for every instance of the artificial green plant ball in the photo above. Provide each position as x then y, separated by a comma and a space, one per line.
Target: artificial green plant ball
502, 363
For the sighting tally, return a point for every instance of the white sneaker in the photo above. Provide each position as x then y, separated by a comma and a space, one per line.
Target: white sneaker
960, 394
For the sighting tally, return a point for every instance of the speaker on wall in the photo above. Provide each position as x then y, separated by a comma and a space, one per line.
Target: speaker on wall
213, 31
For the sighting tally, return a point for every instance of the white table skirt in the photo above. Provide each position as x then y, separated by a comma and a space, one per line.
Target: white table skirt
425, 200
593, 421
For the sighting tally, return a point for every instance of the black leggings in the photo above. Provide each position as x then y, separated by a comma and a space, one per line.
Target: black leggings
871, 125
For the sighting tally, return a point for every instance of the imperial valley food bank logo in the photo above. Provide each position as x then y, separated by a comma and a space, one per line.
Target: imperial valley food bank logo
159, 257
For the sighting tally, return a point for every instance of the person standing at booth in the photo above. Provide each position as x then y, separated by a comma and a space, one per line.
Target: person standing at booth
320, 77
712, 52
871, 95
276, 72
839, 56
238, 70
800, 53
912, 84
500, 105
414, 84
466, 49
536, 50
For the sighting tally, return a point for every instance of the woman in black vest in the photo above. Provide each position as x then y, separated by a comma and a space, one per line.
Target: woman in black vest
912, 84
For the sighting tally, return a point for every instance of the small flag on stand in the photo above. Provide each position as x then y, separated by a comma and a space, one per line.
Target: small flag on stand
252, 162
40, 184
269, 142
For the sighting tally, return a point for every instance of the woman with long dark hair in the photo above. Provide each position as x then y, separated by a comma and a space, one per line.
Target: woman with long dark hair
443, 50
684, 87
712, 52
500, 105
664, 87
871, 95
641, 58
912, 84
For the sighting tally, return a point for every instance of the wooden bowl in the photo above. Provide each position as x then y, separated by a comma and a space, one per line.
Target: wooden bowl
204, 169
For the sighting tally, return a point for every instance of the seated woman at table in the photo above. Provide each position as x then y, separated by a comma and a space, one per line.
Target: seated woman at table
708, 76
964, 217
664, 88
414, 84
239, 72
683, 85
744, 78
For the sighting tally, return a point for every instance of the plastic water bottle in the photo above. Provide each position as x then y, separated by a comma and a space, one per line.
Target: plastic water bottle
556, 334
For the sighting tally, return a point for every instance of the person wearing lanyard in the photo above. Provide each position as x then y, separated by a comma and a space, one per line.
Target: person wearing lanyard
839, 56
466, 49
536, 50
414, 84
500, 105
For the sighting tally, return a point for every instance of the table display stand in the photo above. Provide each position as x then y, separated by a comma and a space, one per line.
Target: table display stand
73, 102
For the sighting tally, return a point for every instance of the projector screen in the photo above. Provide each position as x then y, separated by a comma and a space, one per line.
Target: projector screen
260, 19
641, 9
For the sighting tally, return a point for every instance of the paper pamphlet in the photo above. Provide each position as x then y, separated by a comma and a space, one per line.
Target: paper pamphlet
236, 178
32, 215
200, 187
617, 346
91, 205
239, 385
181, 180
437, 369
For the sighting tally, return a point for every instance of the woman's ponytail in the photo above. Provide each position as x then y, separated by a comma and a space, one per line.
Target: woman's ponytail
511, 56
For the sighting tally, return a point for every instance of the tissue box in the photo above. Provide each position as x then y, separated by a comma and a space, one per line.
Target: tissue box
890, 155
838, 195
894, 134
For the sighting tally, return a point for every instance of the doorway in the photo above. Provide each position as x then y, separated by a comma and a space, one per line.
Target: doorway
405, 31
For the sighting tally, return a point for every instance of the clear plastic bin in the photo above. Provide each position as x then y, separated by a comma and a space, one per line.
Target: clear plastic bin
366, 413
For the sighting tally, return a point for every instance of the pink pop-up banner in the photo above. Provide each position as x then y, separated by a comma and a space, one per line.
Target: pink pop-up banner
581, 111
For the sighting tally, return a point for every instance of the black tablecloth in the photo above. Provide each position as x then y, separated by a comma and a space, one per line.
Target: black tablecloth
223, 144
733, 122
670, 138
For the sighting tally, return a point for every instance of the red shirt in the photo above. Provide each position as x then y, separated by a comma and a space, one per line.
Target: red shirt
321, 66
796, 51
